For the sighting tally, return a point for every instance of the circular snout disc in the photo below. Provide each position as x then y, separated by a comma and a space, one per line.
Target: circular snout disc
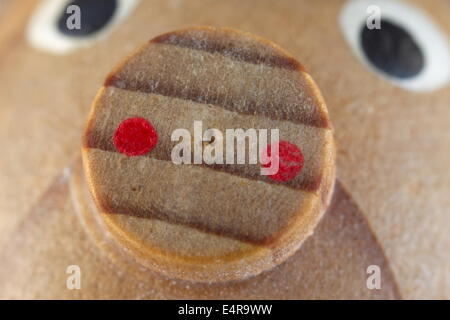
208, 221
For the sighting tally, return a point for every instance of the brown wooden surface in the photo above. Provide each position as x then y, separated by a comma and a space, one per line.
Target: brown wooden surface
393, 151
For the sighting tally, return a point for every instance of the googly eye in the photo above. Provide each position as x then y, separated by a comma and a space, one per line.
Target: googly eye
61, 26
398, 42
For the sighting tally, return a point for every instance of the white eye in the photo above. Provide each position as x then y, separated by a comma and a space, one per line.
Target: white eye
408, 49
60, 26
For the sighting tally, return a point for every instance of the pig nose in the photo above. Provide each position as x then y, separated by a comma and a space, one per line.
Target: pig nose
206, 221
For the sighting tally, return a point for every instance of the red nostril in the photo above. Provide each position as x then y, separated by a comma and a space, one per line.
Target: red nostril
135, 137
290, 161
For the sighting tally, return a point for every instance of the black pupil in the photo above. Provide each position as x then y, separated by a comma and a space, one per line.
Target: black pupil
95, 14
392, 50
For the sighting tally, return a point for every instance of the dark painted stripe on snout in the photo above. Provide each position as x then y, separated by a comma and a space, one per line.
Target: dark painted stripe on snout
205, 41
277, 111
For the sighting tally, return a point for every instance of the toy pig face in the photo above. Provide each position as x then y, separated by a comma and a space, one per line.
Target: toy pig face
387, 91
